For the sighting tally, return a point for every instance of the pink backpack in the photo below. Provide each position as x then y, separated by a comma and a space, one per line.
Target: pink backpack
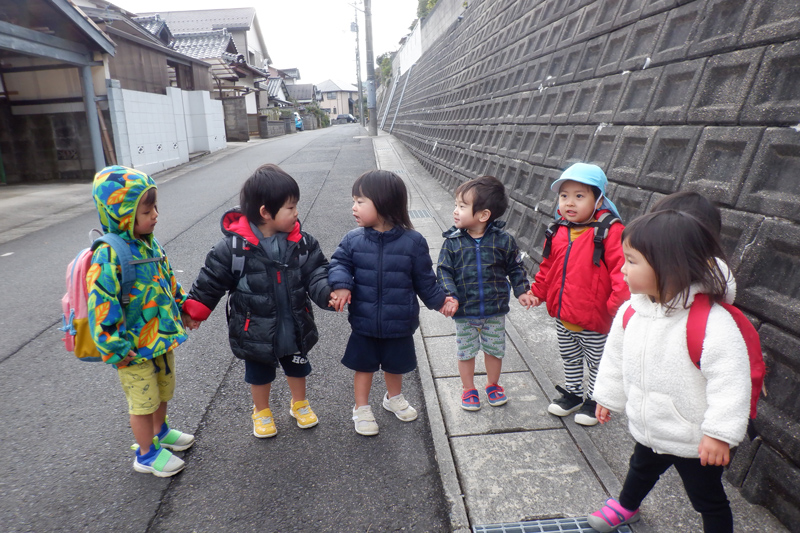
75, 314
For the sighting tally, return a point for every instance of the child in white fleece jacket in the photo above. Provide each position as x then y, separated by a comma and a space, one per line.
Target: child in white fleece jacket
679, 416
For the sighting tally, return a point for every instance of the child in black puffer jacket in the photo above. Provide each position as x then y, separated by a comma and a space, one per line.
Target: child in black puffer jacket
271, 270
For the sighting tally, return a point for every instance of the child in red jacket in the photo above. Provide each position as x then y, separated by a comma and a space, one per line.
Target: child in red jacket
581, 282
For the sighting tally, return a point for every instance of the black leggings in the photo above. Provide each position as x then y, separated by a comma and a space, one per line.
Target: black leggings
703, 485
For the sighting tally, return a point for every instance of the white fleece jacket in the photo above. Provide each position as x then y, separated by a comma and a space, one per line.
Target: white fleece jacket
670, 404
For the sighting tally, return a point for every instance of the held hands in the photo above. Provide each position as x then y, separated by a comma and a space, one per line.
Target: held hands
602, 414
714, 452
339, 298
528, 300
534, 301
189, 322
450, 307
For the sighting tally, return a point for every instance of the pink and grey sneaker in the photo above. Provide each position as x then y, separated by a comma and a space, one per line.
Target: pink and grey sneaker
611, 516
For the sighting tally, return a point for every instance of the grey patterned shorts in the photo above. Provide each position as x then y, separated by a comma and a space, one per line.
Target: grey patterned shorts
476, 334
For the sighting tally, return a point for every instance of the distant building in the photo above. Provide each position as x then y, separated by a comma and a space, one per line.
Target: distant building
338, 98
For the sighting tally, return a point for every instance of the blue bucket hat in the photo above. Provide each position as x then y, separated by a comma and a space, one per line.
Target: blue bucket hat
590, 175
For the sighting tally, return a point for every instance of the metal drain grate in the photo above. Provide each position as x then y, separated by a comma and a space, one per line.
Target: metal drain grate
557, 525
419, 213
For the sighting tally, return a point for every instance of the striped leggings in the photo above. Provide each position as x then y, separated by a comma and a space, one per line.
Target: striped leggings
575, 348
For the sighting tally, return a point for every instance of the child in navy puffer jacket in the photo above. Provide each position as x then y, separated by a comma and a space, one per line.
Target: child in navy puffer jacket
379, 269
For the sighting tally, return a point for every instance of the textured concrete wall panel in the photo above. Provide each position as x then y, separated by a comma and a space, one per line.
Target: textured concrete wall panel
772, 482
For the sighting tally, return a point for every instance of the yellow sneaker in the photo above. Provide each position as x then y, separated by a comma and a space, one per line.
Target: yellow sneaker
303, 414
263, 424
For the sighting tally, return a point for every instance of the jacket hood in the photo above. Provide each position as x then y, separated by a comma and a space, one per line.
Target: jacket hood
591, 175
116, 191
494, 225
235, 222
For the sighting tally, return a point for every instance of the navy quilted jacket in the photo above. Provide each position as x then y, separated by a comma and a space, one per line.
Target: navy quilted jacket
385, 272
477, 274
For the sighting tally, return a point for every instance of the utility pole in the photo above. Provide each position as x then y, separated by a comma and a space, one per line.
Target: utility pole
354, 27
371, 107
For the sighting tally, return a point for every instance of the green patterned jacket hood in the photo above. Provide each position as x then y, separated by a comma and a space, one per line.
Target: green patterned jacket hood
151, 324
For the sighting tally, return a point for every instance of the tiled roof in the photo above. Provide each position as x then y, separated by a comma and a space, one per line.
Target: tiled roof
204, 45
274, 88
301, 92
208, 19
153, 24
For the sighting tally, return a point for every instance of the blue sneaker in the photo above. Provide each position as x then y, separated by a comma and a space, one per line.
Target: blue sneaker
158, 461
470, 401
496, 394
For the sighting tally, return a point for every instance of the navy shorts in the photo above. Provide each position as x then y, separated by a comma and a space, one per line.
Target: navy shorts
294, 366
370, 354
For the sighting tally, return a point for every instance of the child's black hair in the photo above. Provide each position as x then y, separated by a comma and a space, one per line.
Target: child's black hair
488, 192
695, 204
149, 198
389, 195
268, 186
682, 250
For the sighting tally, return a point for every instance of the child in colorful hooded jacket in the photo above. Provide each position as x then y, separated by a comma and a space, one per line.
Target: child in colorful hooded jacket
138, 339
582, 295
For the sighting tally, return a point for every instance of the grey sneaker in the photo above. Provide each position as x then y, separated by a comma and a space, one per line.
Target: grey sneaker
365, 421
399, 406
566, 405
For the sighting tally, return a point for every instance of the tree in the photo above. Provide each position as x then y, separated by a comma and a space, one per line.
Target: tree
424, 7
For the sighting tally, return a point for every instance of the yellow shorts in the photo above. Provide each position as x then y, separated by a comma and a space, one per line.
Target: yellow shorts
147, 385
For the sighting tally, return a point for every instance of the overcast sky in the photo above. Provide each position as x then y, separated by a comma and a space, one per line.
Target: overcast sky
314, 38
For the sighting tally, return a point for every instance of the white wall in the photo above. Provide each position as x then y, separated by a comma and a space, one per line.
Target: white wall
409, 53
153, 132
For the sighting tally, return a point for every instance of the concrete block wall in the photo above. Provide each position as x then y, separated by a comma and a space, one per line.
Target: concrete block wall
665, 95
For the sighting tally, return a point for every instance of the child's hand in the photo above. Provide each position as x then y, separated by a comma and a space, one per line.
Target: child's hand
714, 452
528, 300
189, 322
602, 414
450, 307
128, 359
339, 298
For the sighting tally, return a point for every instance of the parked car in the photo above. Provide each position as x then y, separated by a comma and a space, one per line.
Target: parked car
347, 116
298, 121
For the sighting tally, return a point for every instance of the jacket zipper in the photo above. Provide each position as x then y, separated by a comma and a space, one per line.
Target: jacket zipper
642, 384
380, 284
247, 321
564, 276
480, 277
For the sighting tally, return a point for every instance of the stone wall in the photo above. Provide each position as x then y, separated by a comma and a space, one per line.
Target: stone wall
665, 95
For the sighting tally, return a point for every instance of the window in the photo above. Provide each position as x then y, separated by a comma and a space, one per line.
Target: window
334, 110
331, 96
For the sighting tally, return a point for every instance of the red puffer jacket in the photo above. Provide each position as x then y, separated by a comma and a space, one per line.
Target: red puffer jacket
574, 288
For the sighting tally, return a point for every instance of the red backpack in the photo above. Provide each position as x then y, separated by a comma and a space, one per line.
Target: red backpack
696, 332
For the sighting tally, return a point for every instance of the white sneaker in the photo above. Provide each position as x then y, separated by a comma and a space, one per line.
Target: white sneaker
365, 421
399, 406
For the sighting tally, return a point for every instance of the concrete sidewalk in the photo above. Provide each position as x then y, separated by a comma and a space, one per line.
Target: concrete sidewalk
516, 467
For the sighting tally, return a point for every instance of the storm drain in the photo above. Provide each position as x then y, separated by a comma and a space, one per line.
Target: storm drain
567, 525
418, 213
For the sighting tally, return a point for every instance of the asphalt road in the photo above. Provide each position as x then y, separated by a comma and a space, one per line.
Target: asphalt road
64, 436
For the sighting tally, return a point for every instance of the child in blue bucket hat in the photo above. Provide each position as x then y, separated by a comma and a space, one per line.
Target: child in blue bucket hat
581, 281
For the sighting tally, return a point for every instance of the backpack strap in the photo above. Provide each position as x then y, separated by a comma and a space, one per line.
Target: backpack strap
601, 226
127, 263
552, 229
626, 317
696, 326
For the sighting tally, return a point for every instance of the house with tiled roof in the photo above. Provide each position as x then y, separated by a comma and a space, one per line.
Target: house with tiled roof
338, 98
232, 42
303, 93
